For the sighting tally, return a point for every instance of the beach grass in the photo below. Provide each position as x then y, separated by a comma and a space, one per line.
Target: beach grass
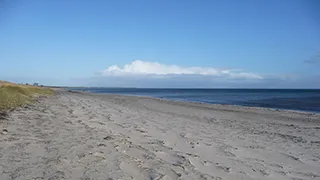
14, 95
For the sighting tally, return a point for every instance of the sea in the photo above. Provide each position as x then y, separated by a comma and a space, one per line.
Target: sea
291, 99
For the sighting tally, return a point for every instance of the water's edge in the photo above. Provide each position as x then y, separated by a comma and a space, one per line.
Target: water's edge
296, 100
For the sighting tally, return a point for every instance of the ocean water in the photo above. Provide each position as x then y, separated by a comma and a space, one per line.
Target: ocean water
293, 99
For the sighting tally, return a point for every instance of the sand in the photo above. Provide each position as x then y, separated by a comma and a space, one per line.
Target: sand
89, 136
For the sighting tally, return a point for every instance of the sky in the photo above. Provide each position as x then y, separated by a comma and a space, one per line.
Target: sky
161, 43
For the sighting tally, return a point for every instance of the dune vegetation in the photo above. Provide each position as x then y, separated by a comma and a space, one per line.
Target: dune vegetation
14, 95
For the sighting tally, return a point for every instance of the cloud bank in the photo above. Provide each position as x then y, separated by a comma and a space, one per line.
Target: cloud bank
144, 68
144, 74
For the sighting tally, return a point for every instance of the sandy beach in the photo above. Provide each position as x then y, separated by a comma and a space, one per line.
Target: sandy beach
75, 135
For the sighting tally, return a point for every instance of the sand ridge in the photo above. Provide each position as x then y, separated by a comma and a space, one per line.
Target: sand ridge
90, 136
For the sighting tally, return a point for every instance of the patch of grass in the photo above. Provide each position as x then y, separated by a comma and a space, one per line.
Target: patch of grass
13, 95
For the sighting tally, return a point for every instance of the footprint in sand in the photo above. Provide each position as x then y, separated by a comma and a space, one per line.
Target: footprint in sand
108, 138
141, 130
224, 168
291, 157
173, 159
97, 154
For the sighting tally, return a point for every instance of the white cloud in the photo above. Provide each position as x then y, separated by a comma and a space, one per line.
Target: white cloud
139, 67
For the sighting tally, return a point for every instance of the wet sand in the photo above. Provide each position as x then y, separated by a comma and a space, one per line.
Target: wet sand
77, 135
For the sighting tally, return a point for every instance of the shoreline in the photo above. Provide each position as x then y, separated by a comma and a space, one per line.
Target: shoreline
82, 135
212, 105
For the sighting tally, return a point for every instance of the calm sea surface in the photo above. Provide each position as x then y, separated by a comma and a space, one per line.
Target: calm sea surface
294, 99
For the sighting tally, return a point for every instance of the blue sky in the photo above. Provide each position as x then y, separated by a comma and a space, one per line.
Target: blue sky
162, 43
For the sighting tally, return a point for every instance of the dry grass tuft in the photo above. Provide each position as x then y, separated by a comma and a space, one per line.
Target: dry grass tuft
14, 95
